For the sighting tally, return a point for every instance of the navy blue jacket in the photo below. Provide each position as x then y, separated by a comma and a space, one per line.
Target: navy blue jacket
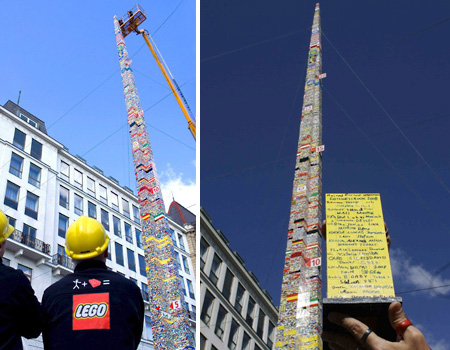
92, 308
19, 309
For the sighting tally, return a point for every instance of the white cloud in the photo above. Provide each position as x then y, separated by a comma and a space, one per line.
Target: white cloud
174, 186
416, 276
441, 345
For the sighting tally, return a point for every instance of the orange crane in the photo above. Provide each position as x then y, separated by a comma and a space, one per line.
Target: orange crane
129, 23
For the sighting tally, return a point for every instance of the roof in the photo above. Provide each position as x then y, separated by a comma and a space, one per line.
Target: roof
180, 214
17, 110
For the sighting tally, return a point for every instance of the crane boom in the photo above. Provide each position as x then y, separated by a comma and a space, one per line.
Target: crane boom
191, 123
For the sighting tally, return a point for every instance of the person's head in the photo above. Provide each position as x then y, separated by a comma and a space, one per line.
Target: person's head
86, 239
5, 230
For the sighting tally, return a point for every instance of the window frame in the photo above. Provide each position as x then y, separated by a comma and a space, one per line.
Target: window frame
37, 154
12, 169
16, 142
10, 202
32, 212
31, 180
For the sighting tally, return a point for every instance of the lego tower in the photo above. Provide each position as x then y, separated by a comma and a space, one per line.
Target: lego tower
170, 325
300, 314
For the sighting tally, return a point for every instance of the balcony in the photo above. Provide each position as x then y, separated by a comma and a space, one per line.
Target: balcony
63, 265
28, 246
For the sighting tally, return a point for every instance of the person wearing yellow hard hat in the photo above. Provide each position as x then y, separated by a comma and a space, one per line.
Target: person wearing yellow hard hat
92, 307
20, 313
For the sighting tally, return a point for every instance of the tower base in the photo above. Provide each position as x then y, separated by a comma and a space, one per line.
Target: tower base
371, 311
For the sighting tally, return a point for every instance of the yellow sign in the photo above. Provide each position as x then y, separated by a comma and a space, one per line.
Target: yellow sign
357, 254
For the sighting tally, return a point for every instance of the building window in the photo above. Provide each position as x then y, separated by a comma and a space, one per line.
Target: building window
215, 269
190, 289
103, 194
63, 225
177, 257
270, 335
139, 242
220, 322
226, 291
232, 339
136, 216
148, 328
11, 221
208, 303
19, 139
90, 185
126, 208
238, 303
92, 210
29, 235
64, 170
31, 205
116, 225
109, 251
183, 288
142, 265
119, 254
185, 264
16, 165
260, 327
180, 240
172, 236
131, 261
34, 177
128, 234
114, 201
78, 204
29, 231
245, 342
78, 178
26, 270
105, 219
202, 342
250, 309
203, 251
144, 288
12, 195
36, 149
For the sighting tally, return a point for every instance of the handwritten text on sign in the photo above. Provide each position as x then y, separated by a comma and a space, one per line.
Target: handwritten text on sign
357, 255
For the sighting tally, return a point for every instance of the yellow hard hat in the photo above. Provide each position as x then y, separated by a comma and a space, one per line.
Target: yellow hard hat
5, 228
86, 239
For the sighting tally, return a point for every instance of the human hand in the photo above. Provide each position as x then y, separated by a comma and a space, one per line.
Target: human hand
410, 338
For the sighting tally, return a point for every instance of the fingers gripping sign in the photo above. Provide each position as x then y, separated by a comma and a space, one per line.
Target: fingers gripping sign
361, 337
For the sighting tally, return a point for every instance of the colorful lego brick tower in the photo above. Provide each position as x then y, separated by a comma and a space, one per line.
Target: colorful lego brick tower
168, 314
300, 314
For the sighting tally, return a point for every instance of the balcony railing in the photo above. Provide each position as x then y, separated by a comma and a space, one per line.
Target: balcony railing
30, 241
63, 260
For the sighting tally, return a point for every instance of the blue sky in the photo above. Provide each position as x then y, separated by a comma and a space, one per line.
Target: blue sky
386, 121
63, 57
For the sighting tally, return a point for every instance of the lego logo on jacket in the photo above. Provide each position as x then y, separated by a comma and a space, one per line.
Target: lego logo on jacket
91, 311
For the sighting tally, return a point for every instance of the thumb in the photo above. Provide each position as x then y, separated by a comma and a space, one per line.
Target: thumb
396, 314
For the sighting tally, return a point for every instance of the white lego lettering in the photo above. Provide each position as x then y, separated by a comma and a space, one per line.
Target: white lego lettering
91, 310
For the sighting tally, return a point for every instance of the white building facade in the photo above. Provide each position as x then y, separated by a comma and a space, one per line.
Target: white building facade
236, 313
44, 188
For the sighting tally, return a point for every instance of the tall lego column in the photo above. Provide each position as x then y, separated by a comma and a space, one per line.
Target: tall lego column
300, 314
168, 315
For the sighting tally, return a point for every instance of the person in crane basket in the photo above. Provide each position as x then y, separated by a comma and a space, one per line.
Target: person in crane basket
93, 307
20, 314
